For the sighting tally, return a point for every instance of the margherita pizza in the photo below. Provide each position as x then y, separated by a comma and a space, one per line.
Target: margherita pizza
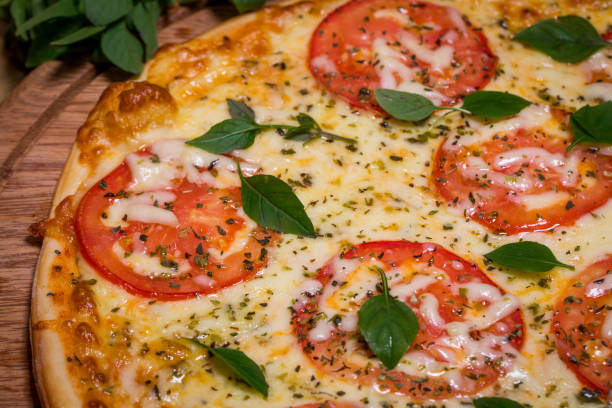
248, 225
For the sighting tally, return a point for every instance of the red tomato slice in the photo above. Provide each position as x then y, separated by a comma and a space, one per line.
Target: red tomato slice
522, 181
582, 325
188, 254
343, 56
457, 350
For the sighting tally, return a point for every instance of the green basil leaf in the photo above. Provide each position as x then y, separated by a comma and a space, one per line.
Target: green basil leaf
271, 203
592, 124
78, 35
495, 402
307, 130
122, 48
248, 5
231, 134
404, 105
62, 8
18, 14
143, 22
388, 325
528, 256
241, 364
493, 104
565, 39
239, 110
107, 11
40, 49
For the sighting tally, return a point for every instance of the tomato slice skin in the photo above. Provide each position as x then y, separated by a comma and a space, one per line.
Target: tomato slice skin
333, 356
498, 204
345, 38
171, 245
578, 324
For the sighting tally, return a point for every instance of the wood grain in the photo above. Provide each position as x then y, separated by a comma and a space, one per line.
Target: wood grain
39, 123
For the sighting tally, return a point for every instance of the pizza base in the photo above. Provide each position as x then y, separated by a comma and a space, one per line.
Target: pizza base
115, 127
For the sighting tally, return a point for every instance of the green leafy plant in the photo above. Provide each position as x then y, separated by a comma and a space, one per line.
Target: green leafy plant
564, 39
388, 325
240, 364
269, 202
413, 107
240, 131
528, 256
122, 32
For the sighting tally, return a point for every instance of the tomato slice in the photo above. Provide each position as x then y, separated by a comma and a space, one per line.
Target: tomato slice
470, 330
522, 179
582, 325
414, 46
209, 246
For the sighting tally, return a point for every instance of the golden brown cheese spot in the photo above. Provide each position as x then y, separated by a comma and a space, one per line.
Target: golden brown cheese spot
83, 301
190, 70
85, 333
60, 227
95, 404
124, 109
523, 13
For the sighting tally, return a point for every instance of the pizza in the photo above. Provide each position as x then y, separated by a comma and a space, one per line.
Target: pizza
341, 204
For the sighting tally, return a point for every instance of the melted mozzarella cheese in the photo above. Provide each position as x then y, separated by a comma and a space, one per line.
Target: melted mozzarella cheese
144, 207
606, 328
599, 286
599, 90
391, 65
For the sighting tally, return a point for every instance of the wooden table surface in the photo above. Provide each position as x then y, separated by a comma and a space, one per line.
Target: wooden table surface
39, 121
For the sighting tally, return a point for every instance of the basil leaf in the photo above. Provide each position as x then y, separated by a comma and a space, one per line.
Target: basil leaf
592, 124
493, 104
239, 110
144, 22
495, 402
307, 130
41, 50
528, 256
241, 364
79, 35
271, 203
248, 5
62, 8
18, 13
107, 11
231, 134
404, 105
388, 325
565, 39
122, 48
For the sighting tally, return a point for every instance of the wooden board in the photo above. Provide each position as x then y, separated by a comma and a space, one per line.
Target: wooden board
39, 124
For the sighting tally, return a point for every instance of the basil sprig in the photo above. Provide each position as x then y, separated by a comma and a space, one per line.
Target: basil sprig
592, 124
564, 39
240, 363
271, 203
240, 131
495, 402
388, 325
122, 32
528, 256
413, 107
